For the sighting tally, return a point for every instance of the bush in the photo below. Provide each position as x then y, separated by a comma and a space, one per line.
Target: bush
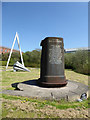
3, 63
78, 61
5, 56
31, 59
14, 57
69, 61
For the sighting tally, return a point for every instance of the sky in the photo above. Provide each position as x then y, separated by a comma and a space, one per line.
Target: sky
34, 21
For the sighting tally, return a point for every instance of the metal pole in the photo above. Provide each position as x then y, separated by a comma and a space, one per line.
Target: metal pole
11, 52
19, 49
16, 36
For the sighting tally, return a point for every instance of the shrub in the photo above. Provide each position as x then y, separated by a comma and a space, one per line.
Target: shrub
3, 63
5, 56
69, 61
78, 61
32, 59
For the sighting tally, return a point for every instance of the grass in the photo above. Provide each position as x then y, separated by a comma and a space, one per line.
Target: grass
58, 104
9, 77
15, 113
74, 76
38, 105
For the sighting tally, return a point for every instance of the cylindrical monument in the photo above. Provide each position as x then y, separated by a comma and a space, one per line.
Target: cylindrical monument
52, 63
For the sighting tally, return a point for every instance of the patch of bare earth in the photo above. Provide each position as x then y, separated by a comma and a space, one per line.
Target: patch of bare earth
44, 111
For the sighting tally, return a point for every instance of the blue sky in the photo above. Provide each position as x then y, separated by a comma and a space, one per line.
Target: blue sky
36, 20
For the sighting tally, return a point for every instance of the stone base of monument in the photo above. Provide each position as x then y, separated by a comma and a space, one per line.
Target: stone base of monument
71, 92
52, 82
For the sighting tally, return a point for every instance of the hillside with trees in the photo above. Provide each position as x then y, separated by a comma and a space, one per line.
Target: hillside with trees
77, 61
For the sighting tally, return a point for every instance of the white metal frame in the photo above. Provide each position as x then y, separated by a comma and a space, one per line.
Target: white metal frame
16, 37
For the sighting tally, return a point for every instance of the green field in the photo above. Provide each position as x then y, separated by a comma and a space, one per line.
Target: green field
23, 107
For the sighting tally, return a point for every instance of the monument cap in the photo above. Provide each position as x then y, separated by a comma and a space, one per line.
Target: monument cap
51, 39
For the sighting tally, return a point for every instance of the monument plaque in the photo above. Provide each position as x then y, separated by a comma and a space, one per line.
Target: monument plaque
52, 63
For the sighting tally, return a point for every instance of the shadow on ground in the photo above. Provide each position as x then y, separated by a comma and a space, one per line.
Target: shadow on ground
35, 82
28, 82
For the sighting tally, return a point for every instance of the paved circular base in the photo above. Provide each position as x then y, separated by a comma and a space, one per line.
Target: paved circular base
72, 91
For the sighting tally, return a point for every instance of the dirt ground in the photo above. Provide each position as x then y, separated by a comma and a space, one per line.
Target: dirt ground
42, 112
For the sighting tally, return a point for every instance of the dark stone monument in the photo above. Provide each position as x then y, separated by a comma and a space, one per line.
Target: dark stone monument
52, 63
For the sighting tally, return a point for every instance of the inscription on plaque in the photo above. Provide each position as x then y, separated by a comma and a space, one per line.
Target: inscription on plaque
55, 54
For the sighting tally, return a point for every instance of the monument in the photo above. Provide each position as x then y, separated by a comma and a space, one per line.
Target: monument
52, 63
52, 76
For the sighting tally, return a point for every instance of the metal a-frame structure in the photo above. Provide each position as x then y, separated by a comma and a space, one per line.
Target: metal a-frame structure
15, 38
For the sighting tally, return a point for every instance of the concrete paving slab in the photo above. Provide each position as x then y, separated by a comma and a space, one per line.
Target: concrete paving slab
71, 92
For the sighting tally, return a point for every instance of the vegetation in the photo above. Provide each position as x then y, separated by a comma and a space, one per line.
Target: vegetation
62, 104
9, 77
78, 62
3, 63
31, 59
24, 107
